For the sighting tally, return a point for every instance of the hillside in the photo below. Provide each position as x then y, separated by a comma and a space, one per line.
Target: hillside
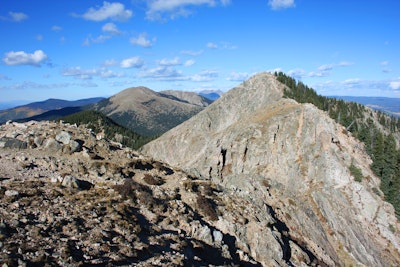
148, 112
100, 123
36, 108
317, 198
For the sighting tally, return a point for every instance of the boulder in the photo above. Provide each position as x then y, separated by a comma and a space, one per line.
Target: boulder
7, 142
63, 137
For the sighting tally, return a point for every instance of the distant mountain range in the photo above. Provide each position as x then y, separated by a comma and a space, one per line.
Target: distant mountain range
151, 113
36, 108
385, 104
140, 109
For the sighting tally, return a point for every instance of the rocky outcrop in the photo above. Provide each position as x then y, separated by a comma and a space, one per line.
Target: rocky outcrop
105, 204
288, 164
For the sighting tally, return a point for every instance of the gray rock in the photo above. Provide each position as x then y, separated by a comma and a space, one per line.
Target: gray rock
7, 142
63, 137
75, 146
52, 145
38, 140
70, 181
218, 236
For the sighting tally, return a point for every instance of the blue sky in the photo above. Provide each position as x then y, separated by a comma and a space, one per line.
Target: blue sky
79, 49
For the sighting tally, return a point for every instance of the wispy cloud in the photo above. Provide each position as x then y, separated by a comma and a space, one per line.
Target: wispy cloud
56, 28
205, 76
212, 45
238, 76
141, 40
15, 17
164, 73
161, 9
395, 85
169, 62
113, 11
189, 62
326, 69
22, 58
26, 85
192, 53
132, 62
221, 45
110, 63
86, 74
99, 39
281, 4
111, 28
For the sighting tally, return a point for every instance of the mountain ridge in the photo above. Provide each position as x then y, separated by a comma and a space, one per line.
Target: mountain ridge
37, 108
148, 112
296, 161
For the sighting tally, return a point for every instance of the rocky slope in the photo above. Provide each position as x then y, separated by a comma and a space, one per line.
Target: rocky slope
148, 112
291, 165
69, 197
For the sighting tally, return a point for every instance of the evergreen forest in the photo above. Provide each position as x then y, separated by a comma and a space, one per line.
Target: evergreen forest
99, 122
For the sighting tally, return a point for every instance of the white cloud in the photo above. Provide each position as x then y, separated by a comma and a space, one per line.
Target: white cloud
132, 62
192, 53
159, 9
205, 76
56, 28
170, 62
189, 62
111, 28
15, 17
39, 37
114, 11
212, 45
238, 76
22, 58
326, 69
110, 63
86, 74
298, 74
99, 39
221, 45
395, 85
141, 40
281, 4
166, 73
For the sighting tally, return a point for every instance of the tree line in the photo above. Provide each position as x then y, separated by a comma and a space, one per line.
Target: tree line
99, 122
377, 135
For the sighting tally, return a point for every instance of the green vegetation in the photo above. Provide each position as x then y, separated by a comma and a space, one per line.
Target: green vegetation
98, 122
356, 172
377, 134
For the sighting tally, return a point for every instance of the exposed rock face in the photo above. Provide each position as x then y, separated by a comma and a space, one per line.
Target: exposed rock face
288, 164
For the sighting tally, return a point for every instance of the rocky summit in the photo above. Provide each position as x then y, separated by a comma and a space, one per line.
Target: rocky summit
70, 197
289, 169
